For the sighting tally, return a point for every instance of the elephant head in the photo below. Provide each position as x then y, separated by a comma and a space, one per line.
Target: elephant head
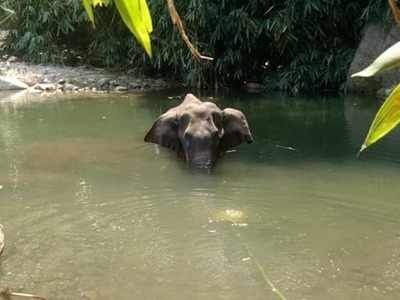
200, 131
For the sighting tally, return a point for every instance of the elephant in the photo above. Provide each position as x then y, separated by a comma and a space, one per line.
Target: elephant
200, 132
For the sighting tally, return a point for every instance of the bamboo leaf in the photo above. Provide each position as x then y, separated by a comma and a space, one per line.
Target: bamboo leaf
387, 118
132, 13
146, 15
87, 4
100, 2
386, 61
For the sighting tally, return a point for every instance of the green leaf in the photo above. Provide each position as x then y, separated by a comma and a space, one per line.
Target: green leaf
136, 17
134, 13
87, 4
146, 16
387, 118
386, 61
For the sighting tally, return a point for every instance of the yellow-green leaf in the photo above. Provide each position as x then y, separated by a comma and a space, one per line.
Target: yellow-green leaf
135, 15
87, 4
387, 118
146, 15
386, 61
100, 2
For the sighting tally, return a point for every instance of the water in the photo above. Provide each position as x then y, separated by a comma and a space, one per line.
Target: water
91, 212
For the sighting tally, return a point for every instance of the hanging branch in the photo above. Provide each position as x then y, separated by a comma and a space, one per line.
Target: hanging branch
176, 20
7, 294
395, 6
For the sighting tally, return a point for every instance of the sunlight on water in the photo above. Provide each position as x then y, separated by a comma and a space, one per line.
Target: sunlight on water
91, 212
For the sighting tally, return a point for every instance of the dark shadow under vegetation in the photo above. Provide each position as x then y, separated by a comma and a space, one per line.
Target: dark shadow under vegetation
291, 45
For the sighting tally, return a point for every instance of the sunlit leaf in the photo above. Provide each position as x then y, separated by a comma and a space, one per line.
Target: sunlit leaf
146, 15
100, 2
386, 61
87, 4
387, 118
135, 16
134, 13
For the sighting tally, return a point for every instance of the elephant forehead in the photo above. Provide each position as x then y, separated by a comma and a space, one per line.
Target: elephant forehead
201, 110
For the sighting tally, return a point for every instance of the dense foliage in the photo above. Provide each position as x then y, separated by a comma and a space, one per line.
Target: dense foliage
287, 44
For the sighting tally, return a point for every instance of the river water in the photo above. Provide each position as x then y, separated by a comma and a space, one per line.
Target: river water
92, 212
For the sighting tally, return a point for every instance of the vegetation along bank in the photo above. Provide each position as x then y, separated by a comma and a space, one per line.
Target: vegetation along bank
294, 46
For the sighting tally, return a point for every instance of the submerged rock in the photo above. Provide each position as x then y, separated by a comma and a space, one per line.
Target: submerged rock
236, 217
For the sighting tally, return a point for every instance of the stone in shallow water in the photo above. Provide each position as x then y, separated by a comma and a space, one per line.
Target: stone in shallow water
233, 216
121, 88
45, 87
11, 83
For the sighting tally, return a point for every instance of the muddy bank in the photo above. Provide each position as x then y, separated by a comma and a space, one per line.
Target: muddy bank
56, 78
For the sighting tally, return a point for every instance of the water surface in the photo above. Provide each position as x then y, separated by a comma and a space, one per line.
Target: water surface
91, 212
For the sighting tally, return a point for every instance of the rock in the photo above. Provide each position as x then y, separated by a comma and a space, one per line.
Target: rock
12, 59
376, 38
383, 93
61, 81
121, 88
70, 87
45, 87
134, 86
11, 83
114, 82
103, 82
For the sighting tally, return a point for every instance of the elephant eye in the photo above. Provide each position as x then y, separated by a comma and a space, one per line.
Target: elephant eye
185, 118
217, 119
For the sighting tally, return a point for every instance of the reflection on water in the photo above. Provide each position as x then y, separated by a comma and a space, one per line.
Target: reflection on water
91, 212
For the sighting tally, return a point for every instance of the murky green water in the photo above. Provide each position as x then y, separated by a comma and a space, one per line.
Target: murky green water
91, 212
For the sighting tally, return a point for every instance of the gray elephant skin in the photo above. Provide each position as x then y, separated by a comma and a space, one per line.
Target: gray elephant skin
200, 132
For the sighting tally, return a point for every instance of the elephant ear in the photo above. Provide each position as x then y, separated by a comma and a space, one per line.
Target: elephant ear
236, 129
164, 131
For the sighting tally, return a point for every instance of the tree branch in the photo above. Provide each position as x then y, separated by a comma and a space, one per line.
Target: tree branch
176, 20
395, 6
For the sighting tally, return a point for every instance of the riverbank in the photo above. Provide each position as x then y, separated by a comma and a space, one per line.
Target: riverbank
58, 78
